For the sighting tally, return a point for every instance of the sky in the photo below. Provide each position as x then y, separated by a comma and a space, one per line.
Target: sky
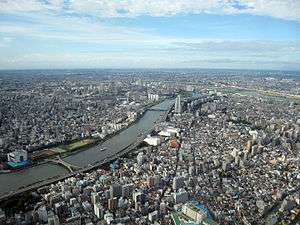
232, 34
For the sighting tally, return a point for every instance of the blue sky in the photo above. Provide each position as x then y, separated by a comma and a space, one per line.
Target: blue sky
235, 34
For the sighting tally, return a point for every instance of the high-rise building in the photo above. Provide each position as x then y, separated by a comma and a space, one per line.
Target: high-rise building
138, 196
178, 108
178, 182
127, 190
153, 97
95, 198
181, 197
115, 190
98, 210
112, 204
249, 145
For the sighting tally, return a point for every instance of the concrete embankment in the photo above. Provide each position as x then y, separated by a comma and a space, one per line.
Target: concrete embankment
96, 165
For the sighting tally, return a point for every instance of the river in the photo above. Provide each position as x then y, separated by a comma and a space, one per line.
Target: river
13, 181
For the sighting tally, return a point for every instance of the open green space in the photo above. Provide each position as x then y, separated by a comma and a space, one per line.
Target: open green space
79, 144
58, 150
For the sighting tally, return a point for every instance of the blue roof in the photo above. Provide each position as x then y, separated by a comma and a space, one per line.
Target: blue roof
114, 165
15, 165
203, 208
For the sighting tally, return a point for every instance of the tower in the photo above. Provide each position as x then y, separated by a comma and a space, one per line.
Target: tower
178, 108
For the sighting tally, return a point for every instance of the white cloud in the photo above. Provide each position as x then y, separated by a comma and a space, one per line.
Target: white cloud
14, 29
285, 9
57, 3
117, 8
126, 46
73, 29
10, 6
240, 46
5, 42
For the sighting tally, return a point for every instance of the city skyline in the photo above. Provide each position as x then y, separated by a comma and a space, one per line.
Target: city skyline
213, 34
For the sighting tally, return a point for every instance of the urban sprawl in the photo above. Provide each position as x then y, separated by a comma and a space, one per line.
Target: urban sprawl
228, 151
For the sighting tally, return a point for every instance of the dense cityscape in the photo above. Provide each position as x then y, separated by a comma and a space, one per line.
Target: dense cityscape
150, 112
224, 150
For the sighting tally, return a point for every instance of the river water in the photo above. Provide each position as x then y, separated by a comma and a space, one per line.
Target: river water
13, 181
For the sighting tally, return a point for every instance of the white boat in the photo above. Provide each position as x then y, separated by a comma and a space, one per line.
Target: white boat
103, 149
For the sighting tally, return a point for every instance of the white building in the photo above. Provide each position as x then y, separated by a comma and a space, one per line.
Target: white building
154, 141
189, 88
117, 126
170, 131
108, 217
178, 107
140, 158
194, 213
17, 156
254, 134
132, 116
98, 210
153, 97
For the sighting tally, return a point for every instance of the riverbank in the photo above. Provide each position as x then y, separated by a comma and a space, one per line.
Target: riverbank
131, 136
76, 146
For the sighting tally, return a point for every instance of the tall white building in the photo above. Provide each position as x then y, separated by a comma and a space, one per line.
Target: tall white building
98, 210
178, 108
153, 97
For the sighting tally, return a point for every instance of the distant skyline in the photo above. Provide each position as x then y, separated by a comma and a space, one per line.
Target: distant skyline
232, 34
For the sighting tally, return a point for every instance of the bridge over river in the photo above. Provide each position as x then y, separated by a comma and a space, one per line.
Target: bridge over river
33, 177
59, 161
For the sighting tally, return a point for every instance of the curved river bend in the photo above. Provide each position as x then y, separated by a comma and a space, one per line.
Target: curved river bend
14, 181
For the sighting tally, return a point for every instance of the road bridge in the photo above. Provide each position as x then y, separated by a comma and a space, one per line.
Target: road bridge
65, 164
156, 109
57, 178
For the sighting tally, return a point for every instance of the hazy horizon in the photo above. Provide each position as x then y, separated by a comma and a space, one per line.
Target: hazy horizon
152, 68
